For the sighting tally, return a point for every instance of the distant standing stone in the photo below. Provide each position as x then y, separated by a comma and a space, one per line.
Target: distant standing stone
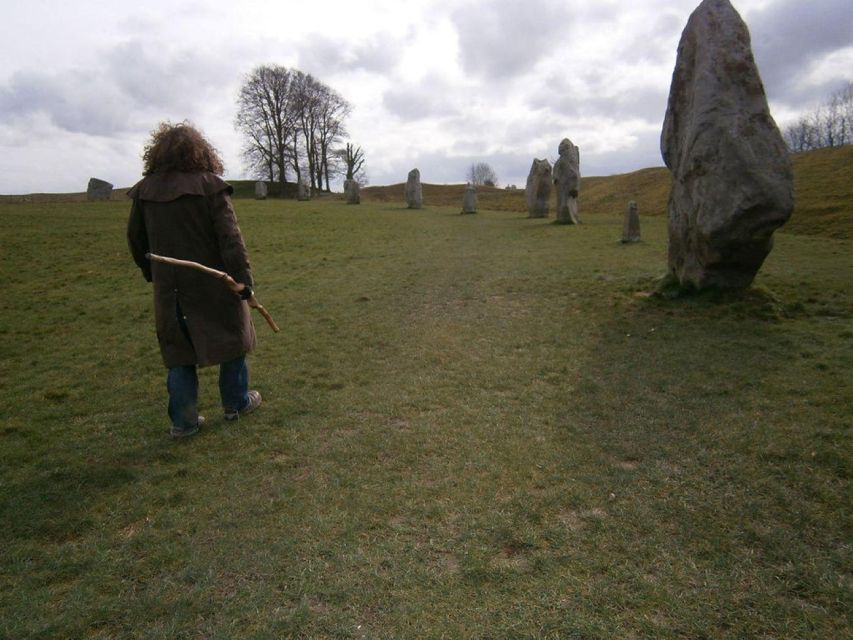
732, 179
567, 178
303, 191
414, 192
469, 200
98, 189
352, 192
631, 230
261, 190
538, 189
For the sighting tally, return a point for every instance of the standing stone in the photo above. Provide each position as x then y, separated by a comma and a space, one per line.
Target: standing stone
538, 189
352, 192
469, 200
732, 179
414, 192
631, 230
98, 189
567, 178
303, 191
261, 190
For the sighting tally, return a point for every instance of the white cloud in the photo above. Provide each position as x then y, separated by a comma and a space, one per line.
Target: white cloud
43, 155
507, 41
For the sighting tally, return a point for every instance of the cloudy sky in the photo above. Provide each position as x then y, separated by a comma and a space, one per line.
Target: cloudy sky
434, 84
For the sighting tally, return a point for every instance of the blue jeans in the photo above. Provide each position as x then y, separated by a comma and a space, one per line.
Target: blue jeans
182, 383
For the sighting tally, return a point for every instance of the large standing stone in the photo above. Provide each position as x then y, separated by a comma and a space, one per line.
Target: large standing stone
732, 179
98, 189
567, 178
469, 200
414, 192
303, 191
538, 189
261, 190
352, 192
631, 229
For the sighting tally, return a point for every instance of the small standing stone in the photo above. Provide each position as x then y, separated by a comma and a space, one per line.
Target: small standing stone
352, 192
469, 200
567, 178
538, 189
732, 181
414, 192
261, 190
303, 191
631, 230
98, 189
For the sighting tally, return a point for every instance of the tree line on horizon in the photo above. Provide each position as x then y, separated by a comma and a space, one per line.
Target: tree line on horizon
292, 125
829, 125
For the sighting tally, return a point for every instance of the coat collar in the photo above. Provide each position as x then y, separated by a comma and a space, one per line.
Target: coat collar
171, 185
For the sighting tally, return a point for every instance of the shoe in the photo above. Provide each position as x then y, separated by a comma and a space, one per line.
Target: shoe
253, 403
189, 431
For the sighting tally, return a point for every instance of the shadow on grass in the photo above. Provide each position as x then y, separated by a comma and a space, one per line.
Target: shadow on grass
723, 474
55, 505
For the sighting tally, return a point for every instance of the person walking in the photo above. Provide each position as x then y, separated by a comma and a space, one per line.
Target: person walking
182, 208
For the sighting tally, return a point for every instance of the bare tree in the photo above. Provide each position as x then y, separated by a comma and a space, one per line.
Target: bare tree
266, 119
829, 125
837, 119
304, 99
481, 173
845, 99
290, 122
330, 129
258, 163
320, 112
354, 158
800, 136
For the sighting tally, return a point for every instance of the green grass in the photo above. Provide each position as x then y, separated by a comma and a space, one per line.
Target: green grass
823, 187
473, 427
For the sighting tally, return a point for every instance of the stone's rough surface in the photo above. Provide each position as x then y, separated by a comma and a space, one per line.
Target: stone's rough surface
303, 191
469, 200
352, 192
414, 193
538, 189
631, 230
261, 190
98, 189
732, 178
567, 178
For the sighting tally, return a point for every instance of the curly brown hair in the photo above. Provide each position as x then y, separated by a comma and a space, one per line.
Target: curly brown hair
180, 147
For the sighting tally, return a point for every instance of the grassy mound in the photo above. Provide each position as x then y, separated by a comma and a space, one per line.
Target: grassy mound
823, 189
823, 192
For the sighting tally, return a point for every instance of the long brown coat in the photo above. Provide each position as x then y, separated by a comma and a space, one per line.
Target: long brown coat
190, 216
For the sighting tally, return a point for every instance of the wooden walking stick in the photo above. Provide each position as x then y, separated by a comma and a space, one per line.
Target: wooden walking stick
236, 287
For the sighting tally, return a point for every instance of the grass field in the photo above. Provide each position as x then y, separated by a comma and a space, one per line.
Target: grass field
473, 427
